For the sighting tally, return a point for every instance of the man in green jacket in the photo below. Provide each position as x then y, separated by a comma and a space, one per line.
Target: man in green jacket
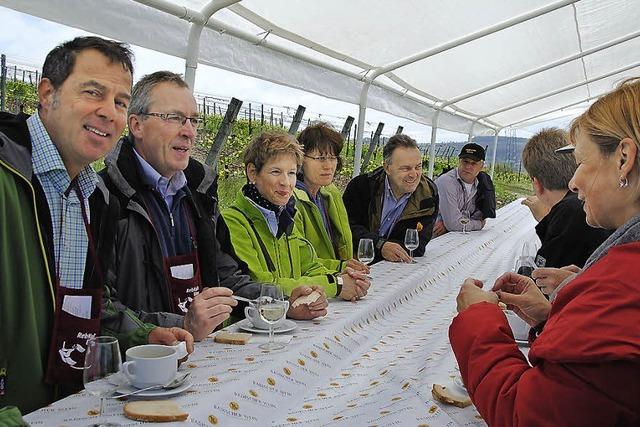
53, 237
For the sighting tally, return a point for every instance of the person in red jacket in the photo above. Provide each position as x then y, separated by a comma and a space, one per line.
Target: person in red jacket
585, 342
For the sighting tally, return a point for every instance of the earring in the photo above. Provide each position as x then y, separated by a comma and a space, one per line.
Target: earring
624, 182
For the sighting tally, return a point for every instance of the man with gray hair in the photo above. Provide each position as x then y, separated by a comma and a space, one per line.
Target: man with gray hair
384, 203
174, 262
562, 228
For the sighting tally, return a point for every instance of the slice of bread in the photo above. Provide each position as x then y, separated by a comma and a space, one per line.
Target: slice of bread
238, 338
444, 395
307, 299
155, 411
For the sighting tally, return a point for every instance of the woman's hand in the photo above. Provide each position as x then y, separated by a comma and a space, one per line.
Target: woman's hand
521, 295
318, 308
471, 293
547, 279
356, 265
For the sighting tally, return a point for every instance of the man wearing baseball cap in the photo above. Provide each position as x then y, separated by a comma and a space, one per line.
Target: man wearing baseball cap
465, 192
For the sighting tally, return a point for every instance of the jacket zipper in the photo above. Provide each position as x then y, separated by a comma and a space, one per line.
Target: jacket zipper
44, 253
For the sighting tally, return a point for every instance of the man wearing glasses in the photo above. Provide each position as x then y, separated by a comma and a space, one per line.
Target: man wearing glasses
172, 263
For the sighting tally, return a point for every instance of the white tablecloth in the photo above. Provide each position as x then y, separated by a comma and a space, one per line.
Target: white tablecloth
369, 363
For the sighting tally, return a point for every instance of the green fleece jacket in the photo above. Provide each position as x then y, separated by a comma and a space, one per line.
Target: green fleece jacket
294, 260
26, 296
308, 221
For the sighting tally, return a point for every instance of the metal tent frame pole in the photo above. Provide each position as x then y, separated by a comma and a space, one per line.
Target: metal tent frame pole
432, 145
434, 51
495, 150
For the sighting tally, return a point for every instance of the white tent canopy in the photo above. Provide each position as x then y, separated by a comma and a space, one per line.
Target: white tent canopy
470, 67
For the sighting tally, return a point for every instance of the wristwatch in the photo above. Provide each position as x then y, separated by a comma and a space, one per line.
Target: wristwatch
339, 284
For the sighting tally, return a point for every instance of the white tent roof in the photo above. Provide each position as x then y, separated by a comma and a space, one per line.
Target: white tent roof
486, 64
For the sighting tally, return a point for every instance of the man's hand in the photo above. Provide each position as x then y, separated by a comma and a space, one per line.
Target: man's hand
318, 308
471, 293
209, 309
522, 296
439, 229
538, 209
356, 265
547, 279
171, 336
395, 253
356, 285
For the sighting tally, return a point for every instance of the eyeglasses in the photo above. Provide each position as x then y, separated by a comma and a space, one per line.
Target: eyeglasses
176, 119
323, 158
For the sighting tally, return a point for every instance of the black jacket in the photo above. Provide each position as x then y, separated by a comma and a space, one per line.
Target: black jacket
363, 200
486, 196
137, 270
565, 235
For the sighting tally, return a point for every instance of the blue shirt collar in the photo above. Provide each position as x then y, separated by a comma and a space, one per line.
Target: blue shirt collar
166, 187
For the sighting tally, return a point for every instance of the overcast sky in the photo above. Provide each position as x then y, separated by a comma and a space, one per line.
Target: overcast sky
26, 40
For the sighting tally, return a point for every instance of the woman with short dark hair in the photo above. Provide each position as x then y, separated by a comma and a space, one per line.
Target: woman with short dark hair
321, 216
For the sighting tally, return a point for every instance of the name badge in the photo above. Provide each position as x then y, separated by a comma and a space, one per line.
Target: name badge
183, 272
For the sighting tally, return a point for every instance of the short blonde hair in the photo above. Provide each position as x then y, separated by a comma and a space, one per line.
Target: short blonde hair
269, 145
612, 118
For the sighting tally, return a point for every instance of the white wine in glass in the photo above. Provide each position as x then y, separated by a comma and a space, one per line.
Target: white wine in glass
465, 217
411, 241
365, 251
272, 307
101, 362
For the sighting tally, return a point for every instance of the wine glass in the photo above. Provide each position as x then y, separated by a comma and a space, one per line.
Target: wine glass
465, 217
101, 362
365, 251
411, 240
525, 264
272, 307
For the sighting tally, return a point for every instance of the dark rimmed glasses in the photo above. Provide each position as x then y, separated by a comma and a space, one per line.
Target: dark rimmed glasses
176, 119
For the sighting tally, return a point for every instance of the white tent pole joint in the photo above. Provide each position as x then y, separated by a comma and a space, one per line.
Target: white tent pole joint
193, 43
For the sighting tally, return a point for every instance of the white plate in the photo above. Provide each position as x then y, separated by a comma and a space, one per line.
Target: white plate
128, 388
287, 326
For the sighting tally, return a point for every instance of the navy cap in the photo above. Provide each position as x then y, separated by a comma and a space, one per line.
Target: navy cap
472, 151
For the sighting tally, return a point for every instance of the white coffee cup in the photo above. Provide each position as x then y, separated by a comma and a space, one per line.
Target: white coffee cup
519, 327
252, 314
152, 364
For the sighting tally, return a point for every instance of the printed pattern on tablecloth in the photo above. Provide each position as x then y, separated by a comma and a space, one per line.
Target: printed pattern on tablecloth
370, 363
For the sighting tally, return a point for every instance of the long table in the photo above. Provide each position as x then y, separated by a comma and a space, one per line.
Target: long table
370, 363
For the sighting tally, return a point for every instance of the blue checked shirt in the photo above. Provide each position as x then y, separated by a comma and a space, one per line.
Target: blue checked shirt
70, 240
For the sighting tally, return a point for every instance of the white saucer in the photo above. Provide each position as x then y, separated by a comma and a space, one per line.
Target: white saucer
128, 388
286, 326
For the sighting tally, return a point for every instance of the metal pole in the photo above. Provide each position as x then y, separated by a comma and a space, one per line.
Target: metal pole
432, 147
362, 113
495, 150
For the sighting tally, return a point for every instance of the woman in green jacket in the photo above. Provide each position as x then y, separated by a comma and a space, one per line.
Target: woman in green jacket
321, 216
260, 222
